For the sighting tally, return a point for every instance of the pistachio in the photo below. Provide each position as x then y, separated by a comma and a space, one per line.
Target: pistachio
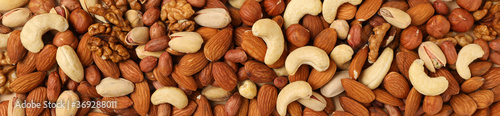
134, 17
137, 36
432, 56
396, 17
16, 17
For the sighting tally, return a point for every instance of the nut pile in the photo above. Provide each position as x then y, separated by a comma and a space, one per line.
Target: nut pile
250, 57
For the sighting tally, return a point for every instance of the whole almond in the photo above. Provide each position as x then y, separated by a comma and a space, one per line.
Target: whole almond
15, 47
164, 109
462, 104
479, 68
432, 104
483, 98
313, 24
401, 5
396, 85
266, 99
250, 12
107, 67
301, 74
92, 75
83, 110
186, 111
412, 102
193, 63
420, 13
358, 91
453, 86
368, 9
346, 11
148, 63
53, 87
37, 96
186, 82
27, 65
310, 112
469, 5
413, 3
449, 51
357, 63
233, 104
207, 33
318, 79
141, 98
234, 13
84, 54
151, 16
253, 46
482, 112
130, 70
352, 106
259, 72
121, 102
85, 89
224, 76
341, 113
164, 80
165, 65
496, 91
215, 4
27, 82
326, 40
219, 110
485, 47
204, 108
404, 60
218, 45
491, 78
386, 98
236, 55
255, 112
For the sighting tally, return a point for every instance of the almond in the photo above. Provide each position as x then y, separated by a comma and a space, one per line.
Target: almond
159, 44
472, 84
141, 97
243, 110
357, 63
234, 13
191, 64
83, 110
219, 110
122, 102
482, 112
491, 78
205, 76
375, 111
217, 46
259, 72
432, 104
401, 5
204, 108
313, 24
186, 111
326, 40
483, 98
396, 85
386, 98
266, 99
255, 108
358, 91
53, 87
413, 3
224, 76
496, 91
37, 96
107, 67
15, 47
84, 54
368, 9
27, 65
412, 102
253, 46
318, 79
453, 86
233, 104
186, 82
495, 109
420, 13
164, 80
462, 104
165, 64
341, 113
479, 68
404, 60
294, 109
346, 11
353, 106
164, 109
236, 55
310, 112
27, 82
130, 71
301, 74
250, 12
148, 63
85, 89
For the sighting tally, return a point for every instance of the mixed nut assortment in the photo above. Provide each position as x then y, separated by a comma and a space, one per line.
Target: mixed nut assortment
249, 57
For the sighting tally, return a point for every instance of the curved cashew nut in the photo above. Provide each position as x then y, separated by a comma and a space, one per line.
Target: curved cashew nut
69, 62
342, 54
270, 32
247, 89
334, 87
330, 8
185, 42
373, 75
296, 9
310, 55
316, 102
466, 55
31, 35
6, 5
291, 92
432, 56
342, 28
423, 83
172, 95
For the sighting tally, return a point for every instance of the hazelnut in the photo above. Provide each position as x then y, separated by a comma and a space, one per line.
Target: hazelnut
460, 20
71, 4
158, 29
441, 7
438, 26
354, 36
274, 7
411, 37
250, 12
65, 38
197, 3
41, 6
236, 56
297, 35
80, 20
470, 5
151, 16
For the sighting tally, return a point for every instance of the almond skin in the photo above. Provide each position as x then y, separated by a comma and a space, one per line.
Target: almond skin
186, 82
357, 63
462, 104
37, 96
93, 75
130, 71
27, 82
317, 79
84, 54
432, 104
233, 104
420, 13
353, 106
204, 108
386, 98
491, 78
122, 102
453, 86
224, 76
218, 45
192, 63
301, 75
479, 68
483, 98
412, 102
27, 65
358, 91
396, 85
148, 63
250, 12
253, 46
368, 9
165, 64
259, 72
15, 47
141, 97
107, 67
53, 87
266, 99
326, 40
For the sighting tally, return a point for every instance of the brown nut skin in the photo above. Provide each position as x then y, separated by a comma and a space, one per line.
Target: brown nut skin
236, 56
411, 37
65, 38
485, 47
274, 7
438, 26
297, 35
495, 45
250, 12
470, 5
159, 44
376, 21
151, 4
449, 51
460, 20
93, 75
280, 82
41, 6
399, 4
71, 4
148, 63
495, 57
197, 3
441, 7
156, 30
80, 20
151, 16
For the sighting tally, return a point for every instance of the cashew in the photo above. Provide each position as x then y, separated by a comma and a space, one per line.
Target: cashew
172, 95
137, 36
334, 87
111, 87
271, 33
341, 54
215, 93
316, 102
310, 55
425, 84
67, 97
330, 8
247, 89
466, 55
141, 53
396, 17
296, 9
213, 17
373, 75
336, 101
69, 62
3, 41
432, 56
31, 35
185, 42
280, 72
16, 17
291, 92
342, 28
6, 5
134, 17
13, 110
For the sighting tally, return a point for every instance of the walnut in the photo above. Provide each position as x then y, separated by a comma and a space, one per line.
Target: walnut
120, 34
182, 25
484, 32
176, 10
134, 4
375, 41
6, 79
439, 41
4, 59
111, 49
99, 28
112, 14
464, 39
